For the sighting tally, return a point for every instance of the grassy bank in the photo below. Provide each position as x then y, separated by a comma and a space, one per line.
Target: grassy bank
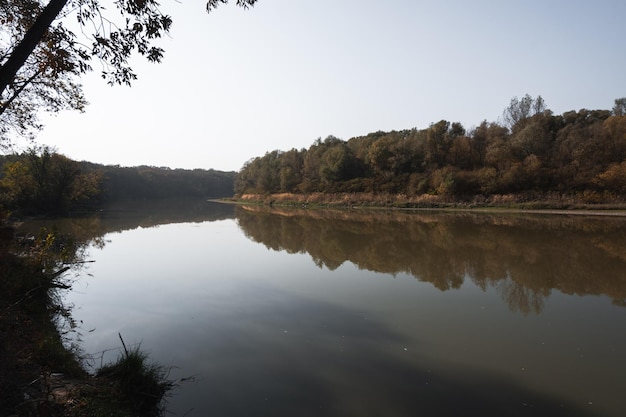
426, 201
41, 373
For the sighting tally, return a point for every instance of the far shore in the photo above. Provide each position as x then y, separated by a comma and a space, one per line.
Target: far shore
493, 204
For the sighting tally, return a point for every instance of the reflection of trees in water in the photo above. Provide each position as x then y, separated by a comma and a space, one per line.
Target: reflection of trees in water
521, 298
523, 257
131, 215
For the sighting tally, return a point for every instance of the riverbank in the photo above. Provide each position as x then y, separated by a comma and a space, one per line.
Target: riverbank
539, 204
34, 356
41, 371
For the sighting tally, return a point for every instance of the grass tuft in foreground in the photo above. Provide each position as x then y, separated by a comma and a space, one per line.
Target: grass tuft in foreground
142, 385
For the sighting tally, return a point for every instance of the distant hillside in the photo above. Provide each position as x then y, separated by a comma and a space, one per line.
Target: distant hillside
146, 182
45, 182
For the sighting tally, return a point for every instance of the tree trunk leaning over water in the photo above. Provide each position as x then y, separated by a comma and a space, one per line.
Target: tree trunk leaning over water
27, 45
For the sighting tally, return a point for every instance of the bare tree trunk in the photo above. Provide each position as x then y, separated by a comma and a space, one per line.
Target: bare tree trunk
32, 37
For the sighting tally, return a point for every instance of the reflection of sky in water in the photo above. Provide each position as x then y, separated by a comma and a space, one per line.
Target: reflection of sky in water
270, 333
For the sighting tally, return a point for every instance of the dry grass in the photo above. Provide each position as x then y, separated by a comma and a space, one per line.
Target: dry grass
515, 201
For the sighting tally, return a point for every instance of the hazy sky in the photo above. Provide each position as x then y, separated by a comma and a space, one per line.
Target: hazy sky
235, 84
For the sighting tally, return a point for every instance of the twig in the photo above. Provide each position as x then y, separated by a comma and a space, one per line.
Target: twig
60, 271
123, 344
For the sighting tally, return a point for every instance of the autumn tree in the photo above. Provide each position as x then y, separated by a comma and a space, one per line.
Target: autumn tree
619, 109
520, 110
245, 179
261, 174
291, 163
382, 155
41, 59
311, 166
461, 154
536, 136
576, 153
583, 147
44, 181
439, 139
613, 179
337, 163
269, 173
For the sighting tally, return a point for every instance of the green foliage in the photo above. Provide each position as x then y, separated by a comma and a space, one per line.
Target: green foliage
535, 152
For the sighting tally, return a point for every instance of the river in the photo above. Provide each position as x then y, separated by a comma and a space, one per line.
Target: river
291, 312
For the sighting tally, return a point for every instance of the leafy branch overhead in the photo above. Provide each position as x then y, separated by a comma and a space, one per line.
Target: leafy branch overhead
42, 59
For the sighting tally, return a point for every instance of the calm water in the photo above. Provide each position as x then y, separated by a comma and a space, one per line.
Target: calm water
351, 313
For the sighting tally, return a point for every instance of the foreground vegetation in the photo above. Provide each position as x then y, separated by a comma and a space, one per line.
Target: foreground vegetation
578, 157
41, 373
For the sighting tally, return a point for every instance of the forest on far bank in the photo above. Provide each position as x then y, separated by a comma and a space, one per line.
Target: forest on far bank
531, 152
42, 181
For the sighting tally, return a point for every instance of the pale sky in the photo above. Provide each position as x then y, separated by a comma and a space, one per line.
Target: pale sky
237, 83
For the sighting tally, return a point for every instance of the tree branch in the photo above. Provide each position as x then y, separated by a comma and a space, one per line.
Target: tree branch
32, 37
17, 92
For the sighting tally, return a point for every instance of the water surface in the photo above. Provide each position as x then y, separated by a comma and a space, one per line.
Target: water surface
351, 313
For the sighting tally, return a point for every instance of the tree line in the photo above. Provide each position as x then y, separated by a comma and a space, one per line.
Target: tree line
530, 152
41, 181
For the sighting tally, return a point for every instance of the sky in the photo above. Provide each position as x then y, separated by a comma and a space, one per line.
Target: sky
235, 84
